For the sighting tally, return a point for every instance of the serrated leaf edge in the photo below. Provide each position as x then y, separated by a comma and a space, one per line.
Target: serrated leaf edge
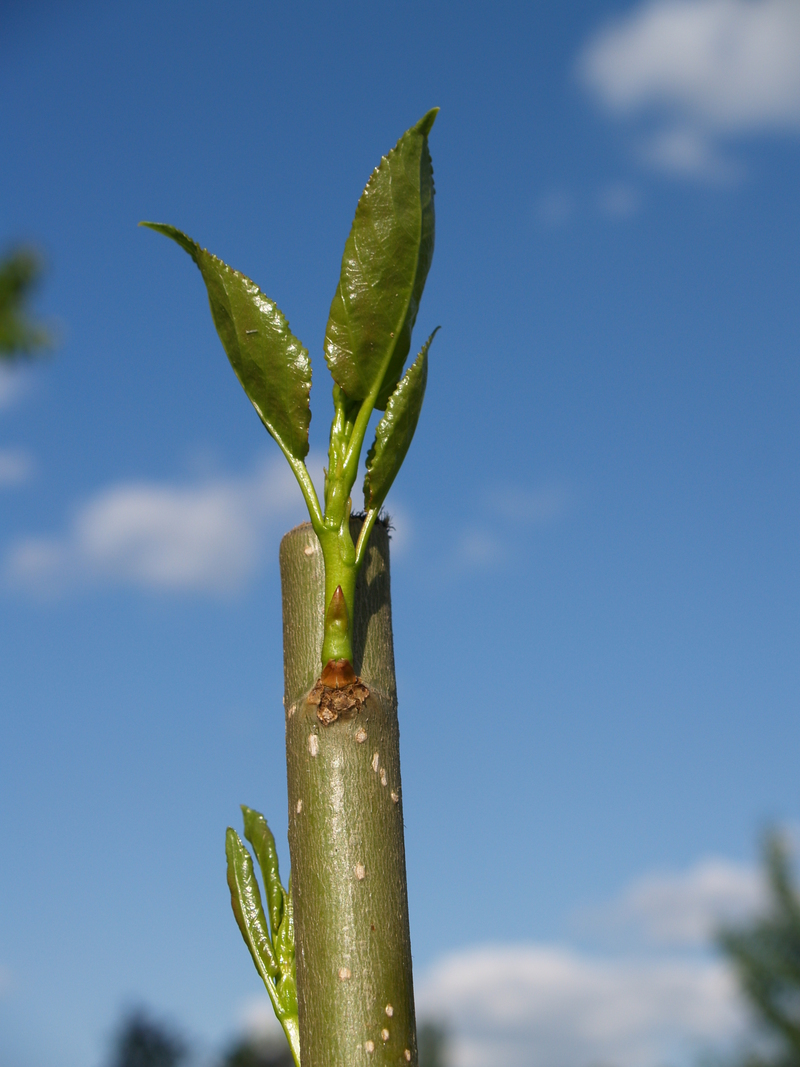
192, 248
422, 127
385, 423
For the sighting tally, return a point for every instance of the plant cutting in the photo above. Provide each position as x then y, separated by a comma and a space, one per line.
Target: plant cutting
333, 948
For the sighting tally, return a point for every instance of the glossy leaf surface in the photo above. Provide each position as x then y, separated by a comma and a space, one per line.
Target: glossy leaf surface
384, 267
269, 361
284, 947
395, 431
260, 837
284, 939
246, 903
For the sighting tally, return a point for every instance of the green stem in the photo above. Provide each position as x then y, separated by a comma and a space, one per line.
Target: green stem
339, 554
342, 558
363, 537
307, 487
353, 951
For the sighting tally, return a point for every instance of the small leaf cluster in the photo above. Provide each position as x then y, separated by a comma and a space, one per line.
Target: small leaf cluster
270, 940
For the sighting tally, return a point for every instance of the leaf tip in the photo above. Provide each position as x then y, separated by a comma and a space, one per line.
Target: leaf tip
425, 124
178, 236
232, 839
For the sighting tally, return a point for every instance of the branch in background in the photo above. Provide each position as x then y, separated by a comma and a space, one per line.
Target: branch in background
20, 271
432, 1044
765, 954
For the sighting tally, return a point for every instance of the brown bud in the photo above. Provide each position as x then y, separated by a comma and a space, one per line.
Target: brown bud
338, 673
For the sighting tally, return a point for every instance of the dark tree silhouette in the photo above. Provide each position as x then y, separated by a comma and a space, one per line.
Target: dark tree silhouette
432, 1044
141, 1042
251, 1053
766, 956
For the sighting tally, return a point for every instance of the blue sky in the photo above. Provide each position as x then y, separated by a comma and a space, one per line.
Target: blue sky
595, 563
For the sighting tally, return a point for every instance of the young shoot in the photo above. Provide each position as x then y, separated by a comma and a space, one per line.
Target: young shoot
351, 946
367, 341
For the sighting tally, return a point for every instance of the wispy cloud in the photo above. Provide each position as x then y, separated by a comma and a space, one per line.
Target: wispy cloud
615, 201
506, 513
555, 208
528, 506
705, 71
207, 536
685, 151
478, 548
16, 466
540, 1006
620, 200
683, 909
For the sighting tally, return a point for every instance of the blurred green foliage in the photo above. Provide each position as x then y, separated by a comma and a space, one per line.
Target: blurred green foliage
20, 270
766, 956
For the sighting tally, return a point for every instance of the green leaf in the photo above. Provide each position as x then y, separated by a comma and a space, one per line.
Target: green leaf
278, 975
395, 430
284, 946
269, 361
384, 267
284, 941
246, 903
260, 837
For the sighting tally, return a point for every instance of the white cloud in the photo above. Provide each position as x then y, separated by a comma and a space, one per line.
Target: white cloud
16, 466
707, 70
539, 1006
553, 1006
685, 909
208, 536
